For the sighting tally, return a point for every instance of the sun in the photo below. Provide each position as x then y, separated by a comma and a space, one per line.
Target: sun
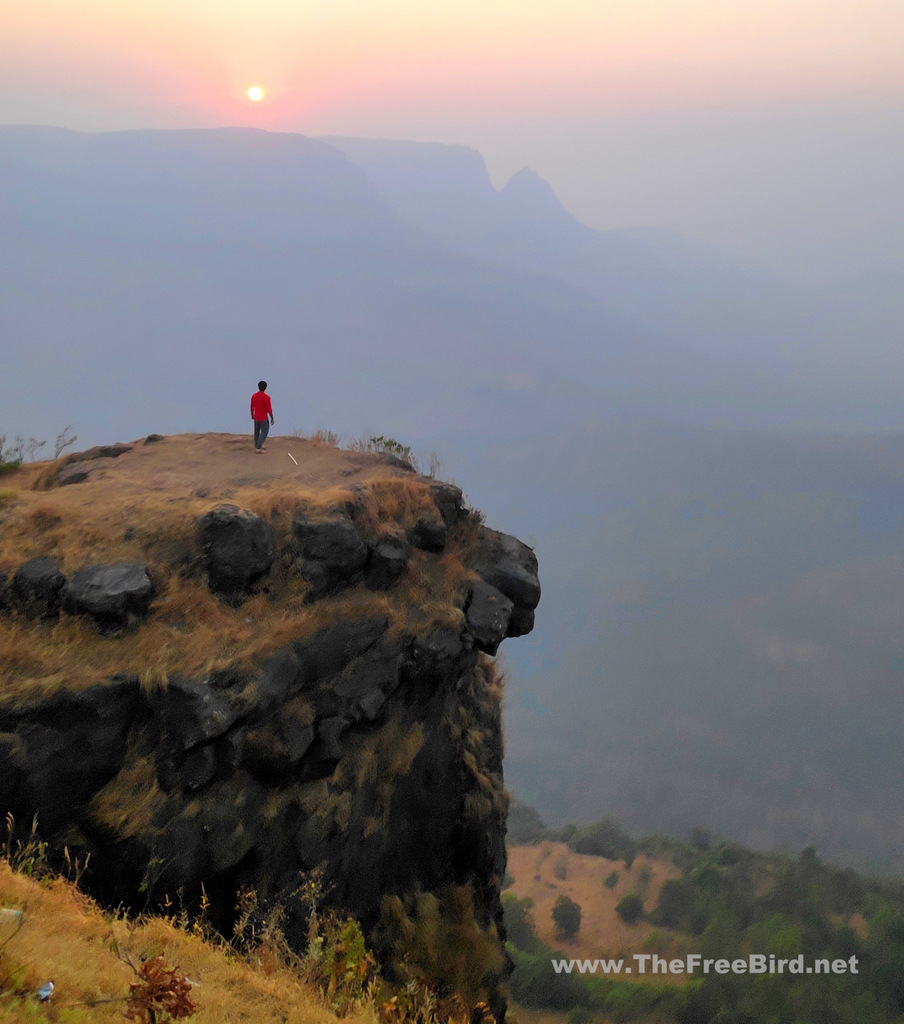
255, 94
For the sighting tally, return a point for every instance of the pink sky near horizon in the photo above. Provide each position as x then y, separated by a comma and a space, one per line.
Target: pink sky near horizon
774, 126
327, 65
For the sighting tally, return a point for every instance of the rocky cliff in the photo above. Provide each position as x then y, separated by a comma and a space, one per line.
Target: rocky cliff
248, 672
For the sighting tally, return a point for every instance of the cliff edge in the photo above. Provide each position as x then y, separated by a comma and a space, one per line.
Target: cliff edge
245, 672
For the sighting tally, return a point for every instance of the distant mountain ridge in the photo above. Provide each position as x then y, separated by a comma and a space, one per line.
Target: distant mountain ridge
446, 191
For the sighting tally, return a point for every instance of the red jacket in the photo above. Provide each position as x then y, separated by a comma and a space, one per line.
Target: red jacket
261, 406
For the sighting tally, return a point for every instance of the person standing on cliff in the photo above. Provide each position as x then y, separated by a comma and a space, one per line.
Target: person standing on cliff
261, 409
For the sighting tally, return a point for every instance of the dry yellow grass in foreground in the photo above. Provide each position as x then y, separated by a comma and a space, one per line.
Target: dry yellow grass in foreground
65, 937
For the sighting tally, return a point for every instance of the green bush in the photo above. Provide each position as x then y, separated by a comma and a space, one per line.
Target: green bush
677, 904
630, 909
611, 880
566, 916
579, 1015
519, 922
535, 984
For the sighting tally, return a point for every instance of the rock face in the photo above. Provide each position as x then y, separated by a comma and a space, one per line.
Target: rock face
237, 547
488, 615
76, 468
388, 561
368, 748
113, 595
37, 586
330, 551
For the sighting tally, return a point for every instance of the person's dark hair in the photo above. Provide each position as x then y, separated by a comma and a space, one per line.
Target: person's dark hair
261, 385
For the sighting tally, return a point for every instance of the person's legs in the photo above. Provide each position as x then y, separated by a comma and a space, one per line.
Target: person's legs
258, 426
265, 430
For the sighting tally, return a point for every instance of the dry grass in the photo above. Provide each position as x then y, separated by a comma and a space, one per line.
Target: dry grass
127, 804
536, 870
396, 503
66, 937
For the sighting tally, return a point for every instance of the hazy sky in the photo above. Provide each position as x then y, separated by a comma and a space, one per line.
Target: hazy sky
775, 126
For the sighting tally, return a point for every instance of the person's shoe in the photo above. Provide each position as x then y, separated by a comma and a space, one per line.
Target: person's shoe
263, 449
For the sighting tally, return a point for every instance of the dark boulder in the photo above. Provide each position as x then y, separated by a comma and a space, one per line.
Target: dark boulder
113, 595
153, 438
273, 749
191, 712
199, 767
521, 622
434, 653
377, 669
237, 547
12, 764
101, 451
37, 586
329, 735
448, 499
72, 744
388, 562
509, 565
370, 705
429, 534
330, 550
329, 650
487, 617
73, 473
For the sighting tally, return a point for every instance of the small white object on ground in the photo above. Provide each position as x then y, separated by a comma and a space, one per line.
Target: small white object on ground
292, 457
45, 992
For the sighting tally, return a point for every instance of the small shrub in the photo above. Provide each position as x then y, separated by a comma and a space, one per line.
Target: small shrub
579, 1015
329, 437
386, 446
630, 909
519, 921
160, 994
560, 869
611, 880
64, 440
677, 904
566, 916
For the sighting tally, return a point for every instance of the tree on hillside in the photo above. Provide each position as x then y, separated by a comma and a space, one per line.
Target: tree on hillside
519, 921
677, 904
630, 909
566, 916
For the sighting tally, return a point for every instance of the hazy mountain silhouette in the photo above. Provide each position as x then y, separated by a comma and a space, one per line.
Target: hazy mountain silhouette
642, 273
821, 357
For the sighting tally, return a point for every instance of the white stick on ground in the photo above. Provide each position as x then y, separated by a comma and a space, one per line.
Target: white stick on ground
292, 457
